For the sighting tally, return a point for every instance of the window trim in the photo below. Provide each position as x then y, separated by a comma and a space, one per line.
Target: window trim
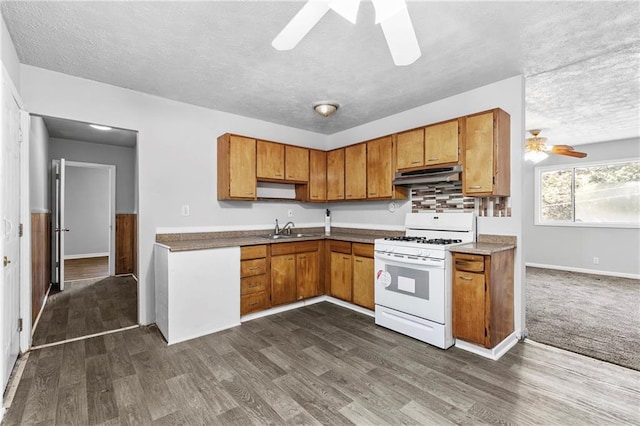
538, 170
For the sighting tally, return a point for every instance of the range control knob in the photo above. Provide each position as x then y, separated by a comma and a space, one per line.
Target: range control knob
422, 252
390, 249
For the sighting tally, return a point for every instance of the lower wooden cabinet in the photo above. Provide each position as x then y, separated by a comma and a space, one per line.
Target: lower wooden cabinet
483, 297
295, 271
283, 279
351, 272
254, 279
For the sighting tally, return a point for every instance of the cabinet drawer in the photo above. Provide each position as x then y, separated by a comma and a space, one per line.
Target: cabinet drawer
307, 246
469, 263
364, 250
253, 252
249, 268
278, 249
340, 247
253, 284
254, 302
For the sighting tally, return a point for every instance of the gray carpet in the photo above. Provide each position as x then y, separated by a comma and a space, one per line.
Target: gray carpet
593, 315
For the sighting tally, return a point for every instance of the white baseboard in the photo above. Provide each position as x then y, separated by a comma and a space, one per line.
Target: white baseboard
494, 353
307, 302
584, 271
85, 256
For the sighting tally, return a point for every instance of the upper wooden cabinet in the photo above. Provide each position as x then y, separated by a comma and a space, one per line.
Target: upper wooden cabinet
380, 168
428, 146
236, 168
335, 175
355, 171
441, 143
317, 188
276, 161
486, 154
296, 163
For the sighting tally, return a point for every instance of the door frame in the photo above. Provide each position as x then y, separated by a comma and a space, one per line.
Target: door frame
112, 207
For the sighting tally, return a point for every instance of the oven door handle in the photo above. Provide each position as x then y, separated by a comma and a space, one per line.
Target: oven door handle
402, 260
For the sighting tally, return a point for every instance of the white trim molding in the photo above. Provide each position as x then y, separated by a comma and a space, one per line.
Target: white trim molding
85, 255
584, 270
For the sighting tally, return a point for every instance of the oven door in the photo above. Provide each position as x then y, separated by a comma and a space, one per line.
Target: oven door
412, 286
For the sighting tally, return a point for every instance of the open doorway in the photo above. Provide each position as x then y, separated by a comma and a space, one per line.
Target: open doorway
92, 286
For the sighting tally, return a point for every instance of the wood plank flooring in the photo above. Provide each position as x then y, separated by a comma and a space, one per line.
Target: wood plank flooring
87, 307
89, 267
321, 364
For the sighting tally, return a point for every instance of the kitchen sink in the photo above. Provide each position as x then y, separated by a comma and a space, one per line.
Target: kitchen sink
284, 236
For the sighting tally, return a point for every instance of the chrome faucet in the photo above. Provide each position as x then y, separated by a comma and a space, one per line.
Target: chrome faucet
286, 229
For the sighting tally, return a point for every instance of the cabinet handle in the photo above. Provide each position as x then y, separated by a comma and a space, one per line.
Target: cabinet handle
433, 159
253, 286
290, 258
253, 303
302, 257
253, 268
278, 174
314, 196
475, 187
416, 162
373, 193
358, 261
466, 278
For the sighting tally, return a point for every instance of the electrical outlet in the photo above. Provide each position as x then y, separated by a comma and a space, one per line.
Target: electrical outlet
185, 210
290, 213
596, 260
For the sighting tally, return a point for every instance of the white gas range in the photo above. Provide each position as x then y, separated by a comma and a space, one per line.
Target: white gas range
413, 275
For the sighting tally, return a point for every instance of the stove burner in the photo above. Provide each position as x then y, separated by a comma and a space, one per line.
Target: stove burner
424, 240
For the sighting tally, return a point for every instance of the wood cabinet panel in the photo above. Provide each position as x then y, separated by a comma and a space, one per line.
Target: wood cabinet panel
283, 279
254, 302
40, 260
441, 143
253, 252
236, 168
379, 176
364, 250
317, 175
410, 149
253, 267
341, 275
307, 274
253, 284
340, 246
469, 302
296, 163
335, 175
283, 248
270, 160
126, 247
355, 172
363, 284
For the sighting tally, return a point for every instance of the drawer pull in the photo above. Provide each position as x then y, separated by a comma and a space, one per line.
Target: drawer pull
253, 285
466, 278
475, 187
253, 268
433, 159
358, 261
416, 162
253, 303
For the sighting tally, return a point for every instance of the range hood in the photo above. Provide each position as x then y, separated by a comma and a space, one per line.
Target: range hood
431, 175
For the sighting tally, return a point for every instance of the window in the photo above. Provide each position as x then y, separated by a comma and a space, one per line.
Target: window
595, 194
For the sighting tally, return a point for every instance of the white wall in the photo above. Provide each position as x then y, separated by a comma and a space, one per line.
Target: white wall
87, 211
39, 166
573, 248
508, 95
176, 157
123, 158
9, 55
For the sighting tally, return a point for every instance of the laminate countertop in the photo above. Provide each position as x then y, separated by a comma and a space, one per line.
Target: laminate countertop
210, 240
486, 245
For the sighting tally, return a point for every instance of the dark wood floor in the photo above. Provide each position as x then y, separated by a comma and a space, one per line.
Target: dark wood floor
320, 364
90, 267
87, 307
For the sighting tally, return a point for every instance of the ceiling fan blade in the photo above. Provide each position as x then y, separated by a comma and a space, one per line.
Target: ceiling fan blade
348, 9
300, 24
401, 38
566, 150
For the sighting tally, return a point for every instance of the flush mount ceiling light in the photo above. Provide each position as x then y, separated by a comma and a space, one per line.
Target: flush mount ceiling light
536, 148
99, 127
392, 15
325, 109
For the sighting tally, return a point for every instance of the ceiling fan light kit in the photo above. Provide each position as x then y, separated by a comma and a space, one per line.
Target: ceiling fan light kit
392, 15
536, 148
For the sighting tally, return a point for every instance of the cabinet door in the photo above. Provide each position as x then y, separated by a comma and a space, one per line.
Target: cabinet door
469, 307
307, 274
270, 160
441, 143
478, 154
335, 175
317, 175
379, 168
341, 276
363, 281
410, 149
355, 172
296, 162
283, 279
242, 172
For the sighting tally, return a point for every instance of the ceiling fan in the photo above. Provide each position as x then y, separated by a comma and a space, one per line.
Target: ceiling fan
392, 15
536, 148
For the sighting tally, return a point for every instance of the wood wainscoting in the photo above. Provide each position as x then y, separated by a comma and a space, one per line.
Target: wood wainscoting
40, 260
126, 243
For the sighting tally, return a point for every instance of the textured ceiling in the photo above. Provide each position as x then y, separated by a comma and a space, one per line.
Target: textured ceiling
581, 60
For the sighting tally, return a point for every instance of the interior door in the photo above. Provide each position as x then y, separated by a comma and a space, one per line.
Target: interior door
10, 231
59, 229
